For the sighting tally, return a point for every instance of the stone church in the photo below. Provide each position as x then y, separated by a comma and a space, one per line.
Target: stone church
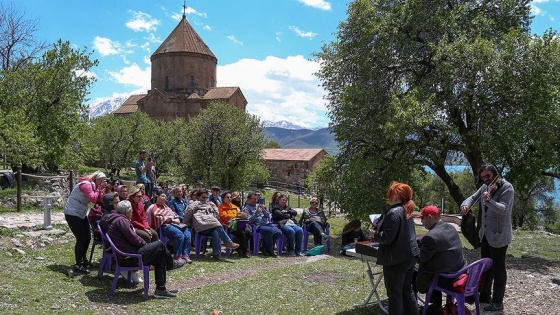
183, 79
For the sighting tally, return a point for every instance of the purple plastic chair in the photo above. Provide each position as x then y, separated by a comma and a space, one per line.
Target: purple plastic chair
257, 239
474, 272
106, 261
120, 268
306, 237
200, 240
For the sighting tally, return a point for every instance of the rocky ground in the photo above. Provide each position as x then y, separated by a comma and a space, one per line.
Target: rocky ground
532, 287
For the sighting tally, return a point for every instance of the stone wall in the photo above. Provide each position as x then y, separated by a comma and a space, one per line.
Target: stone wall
56, 188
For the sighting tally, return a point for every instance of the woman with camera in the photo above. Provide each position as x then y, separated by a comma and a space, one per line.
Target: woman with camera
88, 189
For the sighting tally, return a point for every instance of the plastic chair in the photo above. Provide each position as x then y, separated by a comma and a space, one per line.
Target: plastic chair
199, 242
306, 235
106, 261
257, 239
119, 268
94, 241
474, 272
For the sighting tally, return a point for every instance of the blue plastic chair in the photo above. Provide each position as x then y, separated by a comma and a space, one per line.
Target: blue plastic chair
474, 272
119, 268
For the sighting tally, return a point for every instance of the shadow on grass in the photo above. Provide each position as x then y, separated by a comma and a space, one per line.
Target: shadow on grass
63, 269
533, 263
371, 309
124, 294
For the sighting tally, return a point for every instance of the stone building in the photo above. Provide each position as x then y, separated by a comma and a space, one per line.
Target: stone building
291, 166
183, 79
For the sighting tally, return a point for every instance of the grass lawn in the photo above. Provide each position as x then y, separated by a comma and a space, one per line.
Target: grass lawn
36, 283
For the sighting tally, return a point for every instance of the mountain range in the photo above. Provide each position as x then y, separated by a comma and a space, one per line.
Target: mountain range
285, 133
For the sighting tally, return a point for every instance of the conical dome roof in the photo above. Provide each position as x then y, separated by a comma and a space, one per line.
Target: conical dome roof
184, 39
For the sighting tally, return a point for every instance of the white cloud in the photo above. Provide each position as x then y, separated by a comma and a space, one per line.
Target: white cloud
278, 38
142, 22
133, 75
279, 89
301, 33
89, 74
207, 28
536, 11
317, 4
190, 10
233, 39
106, 46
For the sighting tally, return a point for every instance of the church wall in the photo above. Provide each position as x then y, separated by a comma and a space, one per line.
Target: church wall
179, 66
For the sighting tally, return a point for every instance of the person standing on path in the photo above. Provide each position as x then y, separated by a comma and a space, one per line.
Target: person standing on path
496, 196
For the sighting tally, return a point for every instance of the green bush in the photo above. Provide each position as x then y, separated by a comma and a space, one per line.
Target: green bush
553, 228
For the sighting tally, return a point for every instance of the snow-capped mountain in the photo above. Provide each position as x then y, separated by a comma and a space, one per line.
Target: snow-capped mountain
282, 124
105, 107
110, 105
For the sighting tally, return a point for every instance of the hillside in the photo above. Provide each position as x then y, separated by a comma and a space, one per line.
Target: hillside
303, 138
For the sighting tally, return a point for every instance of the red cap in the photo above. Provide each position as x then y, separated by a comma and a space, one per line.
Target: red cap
429, 210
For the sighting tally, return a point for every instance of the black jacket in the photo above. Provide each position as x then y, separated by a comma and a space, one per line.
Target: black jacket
396, 237
281, 218
441, 250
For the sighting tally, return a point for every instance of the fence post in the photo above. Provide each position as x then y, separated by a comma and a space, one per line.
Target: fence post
18, 203
47, 213
70, 182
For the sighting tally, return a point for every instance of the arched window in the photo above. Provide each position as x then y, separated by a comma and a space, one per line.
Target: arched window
167, 82
193, 83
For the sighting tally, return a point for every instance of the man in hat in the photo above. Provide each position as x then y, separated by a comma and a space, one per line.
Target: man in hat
215, 196
441, 251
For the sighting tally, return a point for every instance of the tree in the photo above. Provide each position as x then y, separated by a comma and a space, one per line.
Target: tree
117, 140
225, 147
18, 45
431, 83
42, 106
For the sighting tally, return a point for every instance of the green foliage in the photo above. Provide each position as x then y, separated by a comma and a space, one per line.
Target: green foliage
116, 140
414, 84
271, 144
225, 147
41, 105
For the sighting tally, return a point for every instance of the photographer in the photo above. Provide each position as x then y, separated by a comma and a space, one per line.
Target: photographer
88, 189
141, 169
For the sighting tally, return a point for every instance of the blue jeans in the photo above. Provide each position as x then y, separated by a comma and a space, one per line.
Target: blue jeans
181, 239
294, 234
270, 235
218, 236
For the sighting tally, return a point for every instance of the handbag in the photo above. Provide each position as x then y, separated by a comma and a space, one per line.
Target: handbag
469, 230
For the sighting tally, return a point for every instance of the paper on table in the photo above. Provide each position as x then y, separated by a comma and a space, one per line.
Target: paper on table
374, 217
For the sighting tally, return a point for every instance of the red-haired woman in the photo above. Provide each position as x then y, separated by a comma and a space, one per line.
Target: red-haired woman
398, 248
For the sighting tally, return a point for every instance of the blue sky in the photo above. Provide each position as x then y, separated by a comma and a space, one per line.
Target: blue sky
262, 46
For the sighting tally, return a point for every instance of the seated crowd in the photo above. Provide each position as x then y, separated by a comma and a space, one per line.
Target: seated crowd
136, 222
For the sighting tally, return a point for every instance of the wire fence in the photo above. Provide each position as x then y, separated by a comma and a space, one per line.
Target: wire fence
55, 187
